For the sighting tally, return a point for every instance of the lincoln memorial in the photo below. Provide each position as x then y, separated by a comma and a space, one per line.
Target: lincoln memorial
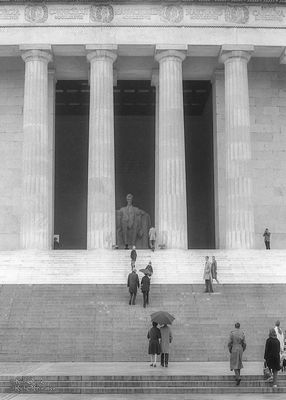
182, 104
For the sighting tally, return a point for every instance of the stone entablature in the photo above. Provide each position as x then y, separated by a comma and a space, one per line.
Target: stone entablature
139, 14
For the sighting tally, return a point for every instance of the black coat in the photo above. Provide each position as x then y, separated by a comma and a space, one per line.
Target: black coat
145, 284
272, 353
133, 282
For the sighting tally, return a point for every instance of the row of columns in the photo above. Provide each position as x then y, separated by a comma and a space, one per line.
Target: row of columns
170, 175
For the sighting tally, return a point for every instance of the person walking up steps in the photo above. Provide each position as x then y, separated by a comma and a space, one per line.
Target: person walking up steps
133, 284
236, 346
272, 355
145, 287
133, 256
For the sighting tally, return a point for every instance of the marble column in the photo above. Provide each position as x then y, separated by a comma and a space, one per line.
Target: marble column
101, 165
239, 192
36, 186
172, 204
155, 83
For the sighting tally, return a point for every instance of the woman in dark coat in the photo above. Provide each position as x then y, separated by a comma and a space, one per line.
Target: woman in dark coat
154, 335
272, 354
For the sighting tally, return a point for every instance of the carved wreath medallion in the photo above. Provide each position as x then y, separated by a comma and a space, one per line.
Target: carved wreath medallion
36, 13
103, 13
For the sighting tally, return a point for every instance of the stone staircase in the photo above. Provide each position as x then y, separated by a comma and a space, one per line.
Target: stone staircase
46, 323
144, 384
112, 266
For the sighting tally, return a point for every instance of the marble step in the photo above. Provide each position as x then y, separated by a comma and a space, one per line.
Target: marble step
135, 384
112, 267
93, 322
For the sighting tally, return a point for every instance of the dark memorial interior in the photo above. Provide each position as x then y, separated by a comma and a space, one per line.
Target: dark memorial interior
199, 164
71, 162
134, 125
134, 110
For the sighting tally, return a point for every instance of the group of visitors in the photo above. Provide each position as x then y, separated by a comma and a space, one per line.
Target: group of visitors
133, 280
210, 274
274, 354
159, 342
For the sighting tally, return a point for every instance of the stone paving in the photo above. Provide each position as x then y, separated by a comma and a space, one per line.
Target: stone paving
124, 368
227, 396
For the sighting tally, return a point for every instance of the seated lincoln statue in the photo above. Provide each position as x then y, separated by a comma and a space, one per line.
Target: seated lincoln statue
132, 226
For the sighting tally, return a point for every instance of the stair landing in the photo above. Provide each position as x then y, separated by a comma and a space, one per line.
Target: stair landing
113, 266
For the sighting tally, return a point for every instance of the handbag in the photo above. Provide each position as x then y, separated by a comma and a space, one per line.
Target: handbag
266, 371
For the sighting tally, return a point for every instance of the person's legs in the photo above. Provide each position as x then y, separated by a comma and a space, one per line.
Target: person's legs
237, 376
166, 359
134, 298
155, 360
268, 245
265, 242
206, 283
275, 373
147, 297
130, 300
144, 299
162, 359
152, 357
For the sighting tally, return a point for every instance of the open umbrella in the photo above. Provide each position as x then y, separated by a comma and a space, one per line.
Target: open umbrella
162, 317
144, 270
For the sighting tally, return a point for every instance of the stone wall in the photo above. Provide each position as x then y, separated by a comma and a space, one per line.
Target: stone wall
267, 92
11, 117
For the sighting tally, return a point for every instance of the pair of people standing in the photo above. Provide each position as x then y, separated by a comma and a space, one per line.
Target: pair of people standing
133, 284
210, 273
159, 343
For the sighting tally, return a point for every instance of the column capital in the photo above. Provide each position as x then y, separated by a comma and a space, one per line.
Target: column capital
235, 51
101, 51
171, 53
38, 55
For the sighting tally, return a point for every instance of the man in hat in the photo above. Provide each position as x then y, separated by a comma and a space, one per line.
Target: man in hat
133, 284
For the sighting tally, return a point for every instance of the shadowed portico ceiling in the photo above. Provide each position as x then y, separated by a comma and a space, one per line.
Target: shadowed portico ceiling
130, 97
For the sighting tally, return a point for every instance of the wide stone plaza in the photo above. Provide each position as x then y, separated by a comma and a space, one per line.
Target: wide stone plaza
115, 117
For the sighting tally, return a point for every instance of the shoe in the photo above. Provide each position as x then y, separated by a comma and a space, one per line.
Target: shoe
166, 366
154, 365
238, 381
151, 365
270, 379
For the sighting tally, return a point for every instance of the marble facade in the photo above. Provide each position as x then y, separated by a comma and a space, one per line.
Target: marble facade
240, 48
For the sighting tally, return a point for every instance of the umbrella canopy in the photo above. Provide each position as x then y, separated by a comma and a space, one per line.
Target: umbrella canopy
162, 317
145, 271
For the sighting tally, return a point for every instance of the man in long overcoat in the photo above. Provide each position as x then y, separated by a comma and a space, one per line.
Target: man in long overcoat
166, 339
208, 276
133, 285
236, 346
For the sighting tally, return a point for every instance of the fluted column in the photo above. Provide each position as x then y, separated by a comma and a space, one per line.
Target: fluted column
101, 167
155, 83
36, 186
239, 192
172, 205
